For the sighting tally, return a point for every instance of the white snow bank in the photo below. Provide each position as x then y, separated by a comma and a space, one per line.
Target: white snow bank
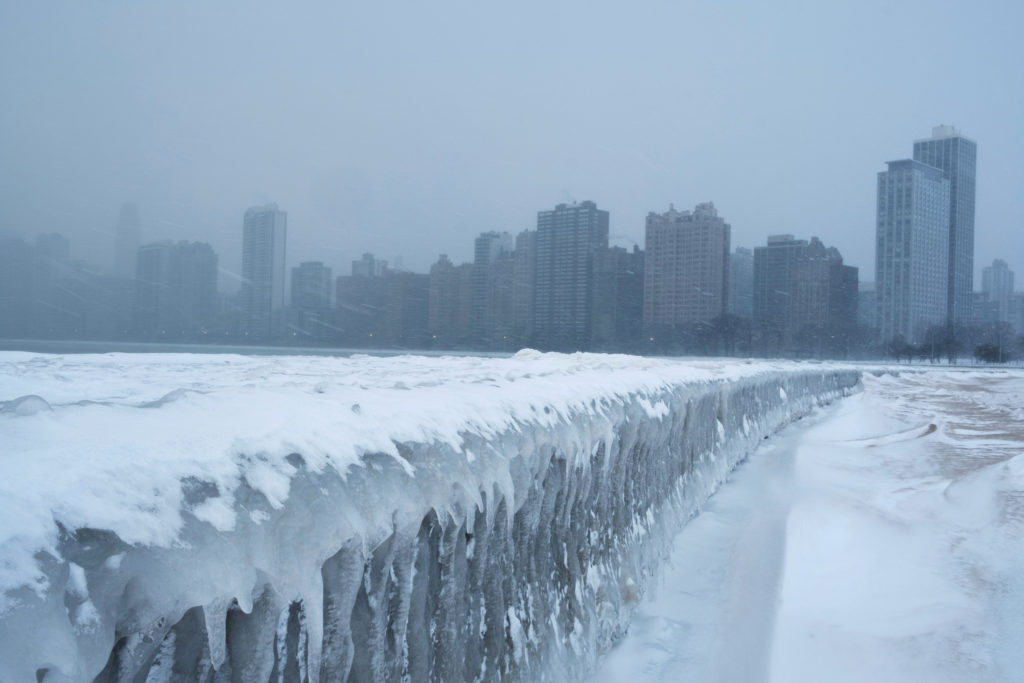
217, 510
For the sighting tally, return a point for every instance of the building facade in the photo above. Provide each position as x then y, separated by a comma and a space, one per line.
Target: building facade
568, 239
618, 299
997, 286
912, 250
492, 291
741, 283
686, 267
311, 309
773, 269
805, 298
175, 290
264, 241
956, 156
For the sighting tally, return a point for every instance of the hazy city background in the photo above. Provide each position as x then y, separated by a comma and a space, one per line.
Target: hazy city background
407, 131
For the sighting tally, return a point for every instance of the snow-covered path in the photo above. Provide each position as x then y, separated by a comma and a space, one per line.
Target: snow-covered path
860, 544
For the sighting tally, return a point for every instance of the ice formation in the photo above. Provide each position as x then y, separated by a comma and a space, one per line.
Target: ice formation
208, 518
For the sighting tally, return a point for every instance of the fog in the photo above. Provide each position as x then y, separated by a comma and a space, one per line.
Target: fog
405, 129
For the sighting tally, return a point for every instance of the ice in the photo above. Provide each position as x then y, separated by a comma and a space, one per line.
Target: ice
284, 518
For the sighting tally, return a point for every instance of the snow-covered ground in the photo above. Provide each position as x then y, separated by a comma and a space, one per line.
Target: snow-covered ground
880, 539
275, 518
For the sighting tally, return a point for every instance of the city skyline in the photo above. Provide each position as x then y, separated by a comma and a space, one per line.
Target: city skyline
450, 128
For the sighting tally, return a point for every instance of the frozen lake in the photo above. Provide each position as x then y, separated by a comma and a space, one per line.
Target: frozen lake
881, 538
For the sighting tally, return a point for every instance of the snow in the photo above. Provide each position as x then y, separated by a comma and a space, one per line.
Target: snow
225, 508
880, 539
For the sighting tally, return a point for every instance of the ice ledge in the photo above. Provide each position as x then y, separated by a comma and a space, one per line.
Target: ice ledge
328, 519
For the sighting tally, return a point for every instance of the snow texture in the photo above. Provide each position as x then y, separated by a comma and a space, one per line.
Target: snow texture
879, 539
208, 518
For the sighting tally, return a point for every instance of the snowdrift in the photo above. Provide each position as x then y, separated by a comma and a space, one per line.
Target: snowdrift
208, 518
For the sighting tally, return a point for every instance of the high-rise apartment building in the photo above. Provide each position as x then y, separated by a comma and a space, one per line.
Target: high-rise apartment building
686, 266
805, 299
618, 299
823, 307
912, 250
773, 268
568, 239
956, 156
997, 286
264, 241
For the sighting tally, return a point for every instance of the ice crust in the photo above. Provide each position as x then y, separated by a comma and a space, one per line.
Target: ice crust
222, 518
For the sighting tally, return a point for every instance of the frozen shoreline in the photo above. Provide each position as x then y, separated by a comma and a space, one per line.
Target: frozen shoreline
896, 551
382, 495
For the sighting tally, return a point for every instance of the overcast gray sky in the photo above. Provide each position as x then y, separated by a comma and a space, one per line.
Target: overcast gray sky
406, 128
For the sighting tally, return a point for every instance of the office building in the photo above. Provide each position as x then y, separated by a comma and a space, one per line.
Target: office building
912, 250
956, 156
264, 242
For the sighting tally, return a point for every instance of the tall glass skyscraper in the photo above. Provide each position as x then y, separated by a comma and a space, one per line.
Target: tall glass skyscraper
957, 156
568, 240
912, 250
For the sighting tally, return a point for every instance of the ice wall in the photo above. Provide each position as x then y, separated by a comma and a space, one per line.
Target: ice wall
515, 551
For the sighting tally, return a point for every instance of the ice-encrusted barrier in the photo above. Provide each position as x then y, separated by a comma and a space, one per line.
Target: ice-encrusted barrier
507, 540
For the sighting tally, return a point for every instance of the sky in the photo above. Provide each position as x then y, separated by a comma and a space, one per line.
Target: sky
407, 128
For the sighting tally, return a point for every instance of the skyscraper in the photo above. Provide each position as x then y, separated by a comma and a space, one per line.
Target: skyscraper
263, 270
686, 266
956, 156
568, 239
912, 250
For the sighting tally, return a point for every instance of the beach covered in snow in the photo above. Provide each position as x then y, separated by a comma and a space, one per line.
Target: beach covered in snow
880, 539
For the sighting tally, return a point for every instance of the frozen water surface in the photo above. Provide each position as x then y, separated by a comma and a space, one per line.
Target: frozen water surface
190, 517
880, 539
